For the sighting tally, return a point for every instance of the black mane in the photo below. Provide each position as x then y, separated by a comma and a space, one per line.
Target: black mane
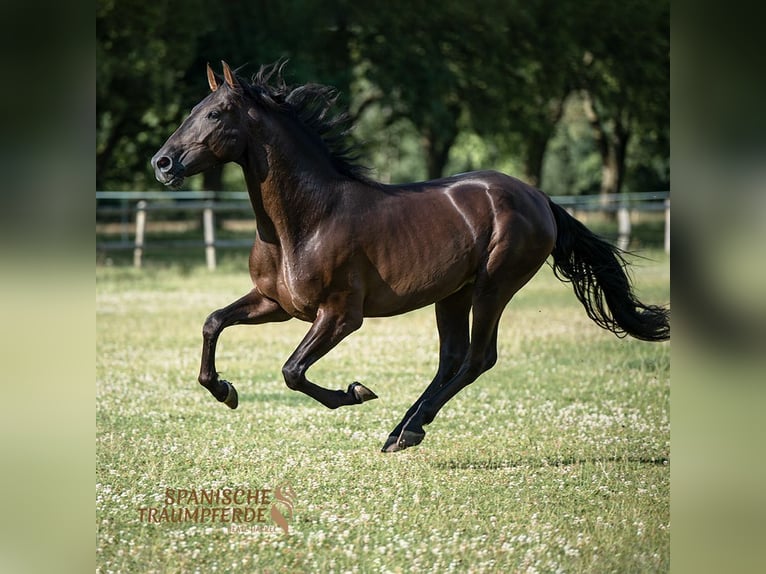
313, 105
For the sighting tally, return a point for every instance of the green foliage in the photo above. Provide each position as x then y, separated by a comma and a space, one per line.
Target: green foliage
142, 53
624, 74
573, 165
434, 89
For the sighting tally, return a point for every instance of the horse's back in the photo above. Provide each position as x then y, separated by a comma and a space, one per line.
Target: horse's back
425, 241
515, 193
512, 205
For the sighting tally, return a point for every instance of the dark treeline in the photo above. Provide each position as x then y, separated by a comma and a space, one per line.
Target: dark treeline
570, 96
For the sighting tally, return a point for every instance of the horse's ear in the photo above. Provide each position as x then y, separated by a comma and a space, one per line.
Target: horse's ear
229, 76
211, 79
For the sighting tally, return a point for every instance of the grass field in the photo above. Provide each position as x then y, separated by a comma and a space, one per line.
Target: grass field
557, 460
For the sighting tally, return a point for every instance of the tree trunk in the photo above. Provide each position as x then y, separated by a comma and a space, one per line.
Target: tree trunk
621, 138
533, 161
610, 172
613, 171
612, 147
537, 142
437, 152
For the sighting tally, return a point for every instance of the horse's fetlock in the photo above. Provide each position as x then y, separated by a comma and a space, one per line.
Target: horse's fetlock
207, 379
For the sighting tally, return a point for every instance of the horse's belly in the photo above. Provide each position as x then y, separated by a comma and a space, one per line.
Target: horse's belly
395, 298
414, 274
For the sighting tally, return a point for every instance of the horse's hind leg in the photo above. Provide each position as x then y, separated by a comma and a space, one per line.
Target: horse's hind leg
452, 322
489, 301
481, 356
251, 309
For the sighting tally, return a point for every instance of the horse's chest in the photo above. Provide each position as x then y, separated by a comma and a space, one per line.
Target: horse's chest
295, 285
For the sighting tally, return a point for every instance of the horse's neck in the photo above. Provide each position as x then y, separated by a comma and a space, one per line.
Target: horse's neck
288, 197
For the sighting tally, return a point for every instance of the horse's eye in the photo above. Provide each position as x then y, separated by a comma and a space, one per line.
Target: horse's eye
214, 115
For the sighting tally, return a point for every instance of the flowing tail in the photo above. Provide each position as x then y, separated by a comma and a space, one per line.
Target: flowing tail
596, 270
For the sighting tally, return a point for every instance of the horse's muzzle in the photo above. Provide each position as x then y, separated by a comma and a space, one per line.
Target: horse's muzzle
167, 171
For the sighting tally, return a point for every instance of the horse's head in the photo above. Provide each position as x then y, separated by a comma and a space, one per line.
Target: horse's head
212, 134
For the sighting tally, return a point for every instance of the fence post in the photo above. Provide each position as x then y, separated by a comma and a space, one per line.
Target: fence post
209, 228
667, 226
138, 249
623, 226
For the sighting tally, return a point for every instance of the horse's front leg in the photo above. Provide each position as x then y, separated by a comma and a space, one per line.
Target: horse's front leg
331, 326
251, 309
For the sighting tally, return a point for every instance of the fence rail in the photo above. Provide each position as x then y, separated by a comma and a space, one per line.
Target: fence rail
135, 207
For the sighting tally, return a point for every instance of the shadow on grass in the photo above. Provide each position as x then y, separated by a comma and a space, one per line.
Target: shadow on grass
536, 462
287, 398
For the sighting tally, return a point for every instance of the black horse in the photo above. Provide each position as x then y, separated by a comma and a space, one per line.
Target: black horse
333, 246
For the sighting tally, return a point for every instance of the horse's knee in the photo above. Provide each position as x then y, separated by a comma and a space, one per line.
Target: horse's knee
212, 326
293, 377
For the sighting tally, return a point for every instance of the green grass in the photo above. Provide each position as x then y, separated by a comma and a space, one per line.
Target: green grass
556, 460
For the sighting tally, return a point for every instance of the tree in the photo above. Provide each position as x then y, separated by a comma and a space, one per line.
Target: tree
151, 66
411, 53
312, 35
496, 72
143, 50
502, 69
528, 75
624, 79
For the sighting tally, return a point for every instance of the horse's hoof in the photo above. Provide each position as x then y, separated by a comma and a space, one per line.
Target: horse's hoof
391, 445
361, 393
232, 399
405, 440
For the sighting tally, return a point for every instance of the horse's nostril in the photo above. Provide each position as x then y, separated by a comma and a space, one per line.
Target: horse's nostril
164, 163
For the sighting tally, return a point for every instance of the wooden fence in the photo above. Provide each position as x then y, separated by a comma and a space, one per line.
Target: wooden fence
135, 207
